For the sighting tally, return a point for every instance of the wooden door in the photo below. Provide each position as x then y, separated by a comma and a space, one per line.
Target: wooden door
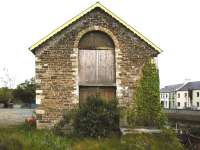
87, 67
105, 67
96, 74
96, 67
106, 93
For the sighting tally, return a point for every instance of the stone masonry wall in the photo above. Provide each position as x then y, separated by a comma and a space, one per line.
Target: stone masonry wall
57, 65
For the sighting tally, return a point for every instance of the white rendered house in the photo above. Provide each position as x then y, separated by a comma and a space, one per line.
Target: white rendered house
181, 96
168, 96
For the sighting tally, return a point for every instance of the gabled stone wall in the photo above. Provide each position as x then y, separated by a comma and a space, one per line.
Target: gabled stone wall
57, 65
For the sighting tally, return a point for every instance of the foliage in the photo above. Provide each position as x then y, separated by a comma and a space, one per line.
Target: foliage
20, 138
97, 118
25, 92
147, 110
30, 122
32, 139
67, 120
10, 143
5, 95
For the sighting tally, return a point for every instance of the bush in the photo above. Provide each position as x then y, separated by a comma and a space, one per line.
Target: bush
147, 110
97, 118
65, 125
5, 96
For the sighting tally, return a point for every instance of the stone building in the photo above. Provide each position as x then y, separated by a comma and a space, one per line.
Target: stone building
94, 53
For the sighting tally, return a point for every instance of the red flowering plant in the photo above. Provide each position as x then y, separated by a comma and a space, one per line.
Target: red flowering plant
30, 122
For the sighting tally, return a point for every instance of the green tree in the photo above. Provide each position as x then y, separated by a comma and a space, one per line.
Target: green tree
5, 96
25, 92
147, 110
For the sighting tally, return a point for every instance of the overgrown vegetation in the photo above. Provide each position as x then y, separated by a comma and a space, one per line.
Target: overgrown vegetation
65, 125
5, 96
94, 118
27, 138
147, 109
24, 93
97, 118
21, 138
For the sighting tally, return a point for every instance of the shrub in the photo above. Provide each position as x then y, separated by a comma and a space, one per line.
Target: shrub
97, 118
5, 96
147, 110
65, 122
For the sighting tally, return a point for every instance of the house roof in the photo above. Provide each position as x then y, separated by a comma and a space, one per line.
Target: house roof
170, 88
191, 86
96, 5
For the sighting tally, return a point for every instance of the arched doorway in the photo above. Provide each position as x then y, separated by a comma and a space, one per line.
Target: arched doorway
96, 66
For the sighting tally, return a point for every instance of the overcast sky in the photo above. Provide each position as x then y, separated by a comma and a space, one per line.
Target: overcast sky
173, 25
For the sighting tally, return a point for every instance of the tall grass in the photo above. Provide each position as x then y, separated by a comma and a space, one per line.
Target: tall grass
32, 139
23, 138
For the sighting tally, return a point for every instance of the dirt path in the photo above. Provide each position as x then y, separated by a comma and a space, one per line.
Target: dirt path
14, 116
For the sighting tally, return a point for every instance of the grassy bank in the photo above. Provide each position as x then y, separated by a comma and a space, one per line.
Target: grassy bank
20, 138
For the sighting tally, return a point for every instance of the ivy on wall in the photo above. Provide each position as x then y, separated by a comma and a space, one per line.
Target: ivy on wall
146, 109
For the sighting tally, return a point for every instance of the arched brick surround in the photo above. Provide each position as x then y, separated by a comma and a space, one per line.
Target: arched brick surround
117, 52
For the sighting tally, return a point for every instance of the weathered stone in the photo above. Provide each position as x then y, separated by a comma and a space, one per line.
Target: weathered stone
39, 111
57, 65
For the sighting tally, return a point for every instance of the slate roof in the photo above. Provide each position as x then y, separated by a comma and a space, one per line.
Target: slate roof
191, 86
96, 5
170, 88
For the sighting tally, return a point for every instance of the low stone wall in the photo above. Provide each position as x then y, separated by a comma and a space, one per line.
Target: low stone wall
183, 115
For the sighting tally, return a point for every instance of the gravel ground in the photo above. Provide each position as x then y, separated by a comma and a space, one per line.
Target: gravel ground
14, 116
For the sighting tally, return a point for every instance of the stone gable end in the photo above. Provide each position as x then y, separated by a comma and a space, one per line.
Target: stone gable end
57, 65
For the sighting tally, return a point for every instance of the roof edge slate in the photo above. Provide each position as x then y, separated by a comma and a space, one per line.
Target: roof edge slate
97, 4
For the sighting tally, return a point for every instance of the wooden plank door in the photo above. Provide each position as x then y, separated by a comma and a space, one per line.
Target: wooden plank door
105, 67
106, 93
96, 67
96, 74
87, 66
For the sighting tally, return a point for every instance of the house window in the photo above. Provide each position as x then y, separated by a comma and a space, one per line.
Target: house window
185, 95
178, 95
197, 94
185, 104
166, 95
179, 104
162, 103
197, 104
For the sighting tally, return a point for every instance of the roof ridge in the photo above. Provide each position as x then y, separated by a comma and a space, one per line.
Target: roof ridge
97, 4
